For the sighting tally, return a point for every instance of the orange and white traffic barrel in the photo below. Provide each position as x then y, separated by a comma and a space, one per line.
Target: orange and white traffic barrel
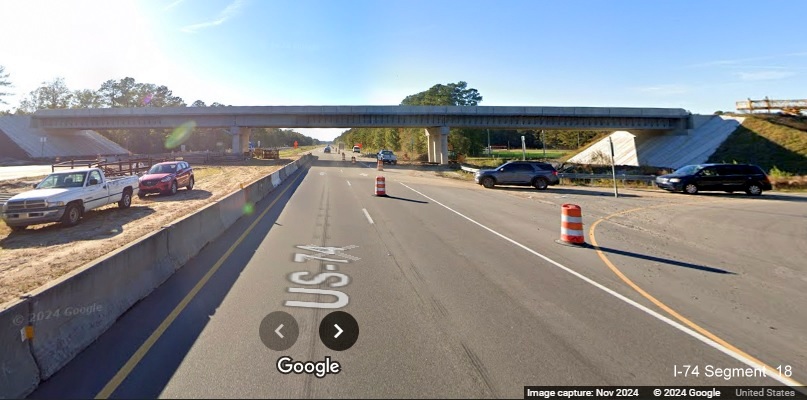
380, 186
353, 160
380, 165
571, 225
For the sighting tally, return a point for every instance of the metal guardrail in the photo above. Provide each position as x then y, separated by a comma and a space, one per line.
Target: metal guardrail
624, 177
566, 175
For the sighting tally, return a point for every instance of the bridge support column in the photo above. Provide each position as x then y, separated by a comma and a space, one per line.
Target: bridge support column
240, 136
438, 144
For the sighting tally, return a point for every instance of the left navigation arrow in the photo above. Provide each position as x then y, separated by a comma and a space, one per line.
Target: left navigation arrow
271, 327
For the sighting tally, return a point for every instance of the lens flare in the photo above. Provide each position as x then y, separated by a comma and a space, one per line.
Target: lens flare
147, 99
180, 135
249, 208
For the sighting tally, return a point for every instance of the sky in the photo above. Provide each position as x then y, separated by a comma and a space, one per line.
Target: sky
702, 56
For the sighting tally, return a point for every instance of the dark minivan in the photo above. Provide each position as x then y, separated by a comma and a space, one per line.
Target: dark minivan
728, 178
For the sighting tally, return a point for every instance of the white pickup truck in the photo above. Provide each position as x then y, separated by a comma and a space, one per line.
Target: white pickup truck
387, 157
65, 196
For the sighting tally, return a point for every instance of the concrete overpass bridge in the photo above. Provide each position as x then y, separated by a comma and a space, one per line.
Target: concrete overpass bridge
436, 120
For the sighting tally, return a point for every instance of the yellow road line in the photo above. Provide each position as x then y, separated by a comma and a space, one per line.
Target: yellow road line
141, 352
666, 308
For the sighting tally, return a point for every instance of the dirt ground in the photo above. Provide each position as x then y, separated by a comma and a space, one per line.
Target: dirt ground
42, 253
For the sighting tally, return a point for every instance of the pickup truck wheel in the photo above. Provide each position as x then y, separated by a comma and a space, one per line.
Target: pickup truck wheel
173, 188
72, 214
126, 199
190, 184
540, 183
488, 182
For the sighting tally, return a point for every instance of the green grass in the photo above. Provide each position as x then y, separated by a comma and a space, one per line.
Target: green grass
301, 149
532, 154
768, 141
502, 156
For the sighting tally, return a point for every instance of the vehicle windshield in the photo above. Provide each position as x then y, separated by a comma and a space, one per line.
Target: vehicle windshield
63, 180
687, 170
163, 169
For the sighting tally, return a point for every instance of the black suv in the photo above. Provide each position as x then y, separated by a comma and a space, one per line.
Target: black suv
724, 177
521, 173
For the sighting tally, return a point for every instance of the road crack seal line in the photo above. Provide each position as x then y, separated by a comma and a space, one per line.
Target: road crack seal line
664, 307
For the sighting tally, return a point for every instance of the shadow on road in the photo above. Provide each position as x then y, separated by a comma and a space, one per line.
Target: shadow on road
663, 260
767, 196
563, 191
96, 224
404, 199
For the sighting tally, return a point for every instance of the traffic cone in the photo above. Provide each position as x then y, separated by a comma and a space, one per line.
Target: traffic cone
571, 225
380, 165
380, 186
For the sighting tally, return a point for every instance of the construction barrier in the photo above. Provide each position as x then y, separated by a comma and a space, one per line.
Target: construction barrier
353, 160
380, 186
571, 225
380, 165
343, 156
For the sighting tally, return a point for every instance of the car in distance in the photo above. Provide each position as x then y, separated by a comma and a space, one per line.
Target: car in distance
356, 149
65, 196
166, 178
327, 149
387, 157
728, 178
519, 173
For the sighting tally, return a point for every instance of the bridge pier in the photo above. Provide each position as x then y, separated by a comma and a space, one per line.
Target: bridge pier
240, 136
437, 141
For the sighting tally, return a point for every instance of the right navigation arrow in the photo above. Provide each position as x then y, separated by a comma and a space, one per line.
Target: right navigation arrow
337, 333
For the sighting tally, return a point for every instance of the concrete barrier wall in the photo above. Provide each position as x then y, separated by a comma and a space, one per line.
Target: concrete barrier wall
67, 315
19, 374
70, 313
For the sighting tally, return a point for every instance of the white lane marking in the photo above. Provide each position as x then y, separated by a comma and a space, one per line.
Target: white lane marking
363, 174
652, 313
321, 173
348, 183
366, 214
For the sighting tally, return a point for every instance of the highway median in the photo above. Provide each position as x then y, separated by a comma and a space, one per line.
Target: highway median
45, 329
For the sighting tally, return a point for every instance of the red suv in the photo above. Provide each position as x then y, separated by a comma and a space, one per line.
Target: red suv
166, 178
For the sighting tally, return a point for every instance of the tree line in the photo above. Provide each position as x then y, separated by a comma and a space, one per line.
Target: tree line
127, 92
412, 141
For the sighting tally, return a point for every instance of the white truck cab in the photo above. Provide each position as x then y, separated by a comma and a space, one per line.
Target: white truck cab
65, 196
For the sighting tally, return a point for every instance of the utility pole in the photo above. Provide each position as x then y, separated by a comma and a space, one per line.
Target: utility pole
490, 153
523, 149
613, 166
543, 141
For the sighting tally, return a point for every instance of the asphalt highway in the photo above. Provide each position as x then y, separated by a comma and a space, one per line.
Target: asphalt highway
463, 292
